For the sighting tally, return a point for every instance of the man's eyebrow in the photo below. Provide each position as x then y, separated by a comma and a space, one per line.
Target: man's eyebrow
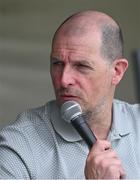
80, 61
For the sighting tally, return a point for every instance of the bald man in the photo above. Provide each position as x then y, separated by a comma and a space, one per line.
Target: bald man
86, 65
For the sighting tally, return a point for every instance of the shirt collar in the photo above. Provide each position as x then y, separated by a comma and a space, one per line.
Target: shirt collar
120, 124
64, 129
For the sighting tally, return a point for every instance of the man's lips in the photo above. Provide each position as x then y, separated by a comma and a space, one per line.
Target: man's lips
67, 96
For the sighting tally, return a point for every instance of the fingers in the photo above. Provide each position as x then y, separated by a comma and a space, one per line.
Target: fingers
103, 162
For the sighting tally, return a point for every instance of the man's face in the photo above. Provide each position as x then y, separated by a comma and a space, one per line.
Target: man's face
79, 72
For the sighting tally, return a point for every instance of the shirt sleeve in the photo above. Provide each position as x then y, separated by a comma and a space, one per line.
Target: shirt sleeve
16, 158
11, 164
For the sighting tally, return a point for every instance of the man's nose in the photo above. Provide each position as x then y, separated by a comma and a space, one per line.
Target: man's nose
67, 78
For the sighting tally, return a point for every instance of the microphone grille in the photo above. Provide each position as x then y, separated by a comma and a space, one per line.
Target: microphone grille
70, 110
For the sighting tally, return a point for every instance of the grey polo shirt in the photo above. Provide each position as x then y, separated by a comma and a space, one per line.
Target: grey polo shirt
41, 145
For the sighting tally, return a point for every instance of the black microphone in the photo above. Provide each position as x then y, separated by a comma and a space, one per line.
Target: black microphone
71, 112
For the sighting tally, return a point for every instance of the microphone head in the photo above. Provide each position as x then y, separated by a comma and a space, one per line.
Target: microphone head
70, 110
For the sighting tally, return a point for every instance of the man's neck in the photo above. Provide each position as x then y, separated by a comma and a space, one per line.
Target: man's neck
101, 123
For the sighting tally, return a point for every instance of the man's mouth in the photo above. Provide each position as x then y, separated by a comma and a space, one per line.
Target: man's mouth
68, 97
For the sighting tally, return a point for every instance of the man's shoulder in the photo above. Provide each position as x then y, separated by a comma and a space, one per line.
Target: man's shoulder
32, 124
132, 110
34, 115
29, 121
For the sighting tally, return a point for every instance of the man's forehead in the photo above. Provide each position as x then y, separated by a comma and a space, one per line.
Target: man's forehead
72, 50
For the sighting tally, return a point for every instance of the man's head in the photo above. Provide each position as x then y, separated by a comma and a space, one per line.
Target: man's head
87, 59
111, 34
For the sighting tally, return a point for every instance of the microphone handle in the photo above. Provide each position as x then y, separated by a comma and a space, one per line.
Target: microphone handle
84, 130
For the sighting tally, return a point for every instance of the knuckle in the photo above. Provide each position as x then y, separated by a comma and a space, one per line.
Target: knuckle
92, 159
113, 170
104, 164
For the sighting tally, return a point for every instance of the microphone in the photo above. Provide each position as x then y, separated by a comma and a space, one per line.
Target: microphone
71, 112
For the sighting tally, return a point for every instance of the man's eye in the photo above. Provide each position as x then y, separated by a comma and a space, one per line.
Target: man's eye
57, 63
83, 66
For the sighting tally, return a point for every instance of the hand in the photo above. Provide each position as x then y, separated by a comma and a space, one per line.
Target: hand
103, 163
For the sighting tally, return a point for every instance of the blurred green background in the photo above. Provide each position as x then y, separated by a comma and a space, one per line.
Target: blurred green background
26, 30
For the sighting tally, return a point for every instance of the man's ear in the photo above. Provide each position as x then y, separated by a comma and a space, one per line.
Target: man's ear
119, 68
